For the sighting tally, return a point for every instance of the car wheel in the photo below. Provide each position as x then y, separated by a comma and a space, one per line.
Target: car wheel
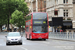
7, 44
44, 39
21, 43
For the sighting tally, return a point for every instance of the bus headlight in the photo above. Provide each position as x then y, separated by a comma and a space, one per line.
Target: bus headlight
33, 34
46, 34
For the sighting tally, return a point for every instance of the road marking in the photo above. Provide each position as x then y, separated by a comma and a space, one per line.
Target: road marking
24, 43
24, 48
46, 42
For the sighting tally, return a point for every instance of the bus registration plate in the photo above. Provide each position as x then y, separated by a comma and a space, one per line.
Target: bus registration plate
39, 38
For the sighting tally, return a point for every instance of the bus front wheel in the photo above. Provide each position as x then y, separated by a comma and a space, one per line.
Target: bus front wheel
44, 39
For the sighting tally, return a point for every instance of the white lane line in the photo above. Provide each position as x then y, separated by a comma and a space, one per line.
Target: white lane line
23, 48
46, 42
24, 43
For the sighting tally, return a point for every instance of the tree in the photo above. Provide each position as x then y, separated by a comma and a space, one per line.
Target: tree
17, 18
7, 7
3, 16
3, 21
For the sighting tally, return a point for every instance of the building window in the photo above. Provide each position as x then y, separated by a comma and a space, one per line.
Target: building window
27, 29
65, 13
65, 1
44, 4
55, 12
56, 2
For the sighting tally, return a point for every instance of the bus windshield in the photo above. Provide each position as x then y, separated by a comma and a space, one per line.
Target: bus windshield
40, 29
39, 16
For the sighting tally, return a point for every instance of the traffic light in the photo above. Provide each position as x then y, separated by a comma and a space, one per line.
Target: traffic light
55, 12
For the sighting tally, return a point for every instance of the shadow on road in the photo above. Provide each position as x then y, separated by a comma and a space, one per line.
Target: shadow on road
12, 44
38, 40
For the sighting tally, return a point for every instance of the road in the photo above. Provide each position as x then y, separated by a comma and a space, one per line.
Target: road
49, 44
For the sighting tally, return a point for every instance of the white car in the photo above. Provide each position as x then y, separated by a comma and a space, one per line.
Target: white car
13, 38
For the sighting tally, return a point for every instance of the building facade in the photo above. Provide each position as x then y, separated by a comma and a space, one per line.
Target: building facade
39, 7
64, 9
74, 13
29, 4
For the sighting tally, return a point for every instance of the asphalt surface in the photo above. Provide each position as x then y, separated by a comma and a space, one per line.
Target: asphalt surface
49, 44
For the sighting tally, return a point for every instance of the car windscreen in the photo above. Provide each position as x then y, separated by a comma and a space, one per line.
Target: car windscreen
13, 34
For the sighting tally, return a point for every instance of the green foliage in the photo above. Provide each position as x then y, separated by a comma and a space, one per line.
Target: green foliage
3, 16
28, 17
17, 18
68, 18
7, 7
63, 18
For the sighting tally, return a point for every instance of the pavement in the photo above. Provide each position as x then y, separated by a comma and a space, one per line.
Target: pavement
49, 44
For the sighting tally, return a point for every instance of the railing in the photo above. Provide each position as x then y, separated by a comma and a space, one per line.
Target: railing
6, 33
54, 35
62, 35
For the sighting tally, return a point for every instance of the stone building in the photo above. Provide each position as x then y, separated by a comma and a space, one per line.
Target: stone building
64, 9
29, 4
73, 13
41, 5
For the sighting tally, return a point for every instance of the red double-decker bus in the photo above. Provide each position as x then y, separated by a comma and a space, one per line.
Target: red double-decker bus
36, 26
